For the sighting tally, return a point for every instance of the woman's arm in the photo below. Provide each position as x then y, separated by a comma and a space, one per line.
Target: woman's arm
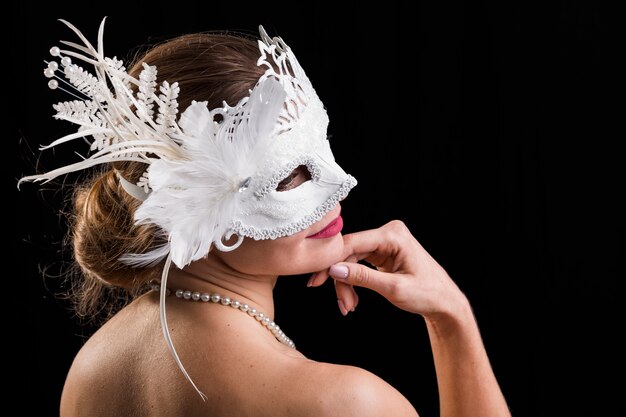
412, 280
467, 384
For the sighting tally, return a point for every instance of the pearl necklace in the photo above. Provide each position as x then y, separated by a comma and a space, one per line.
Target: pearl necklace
245, 308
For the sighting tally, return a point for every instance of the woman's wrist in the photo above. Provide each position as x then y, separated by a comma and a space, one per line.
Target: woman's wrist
457, 316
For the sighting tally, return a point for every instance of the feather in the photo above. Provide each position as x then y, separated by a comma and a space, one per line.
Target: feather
74, 45
80, 35
264, 106
214, 166
79, 110
80, 134
85, 82
168, 107
101, 37
148, 259
197, 121
147, 87
165, 328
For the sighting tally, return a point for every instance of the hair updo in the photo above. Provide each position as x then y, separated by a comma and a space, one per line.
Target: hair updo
207, 67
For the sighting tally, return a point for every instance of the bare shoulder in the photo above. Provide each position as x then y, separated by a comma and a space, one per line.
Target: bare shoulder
103, 367
352, 391
86, 367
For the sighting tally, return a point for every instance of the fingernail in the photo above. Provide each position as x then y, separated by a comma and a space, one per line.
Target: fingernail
310, 282
342, 307
339, 271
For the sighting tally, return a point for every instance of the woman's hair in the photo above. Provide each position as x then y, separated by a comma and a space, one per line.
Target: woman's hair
207, 67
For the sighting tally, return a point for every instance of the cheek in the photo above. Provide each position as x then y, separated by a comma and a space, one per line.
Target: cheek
290, 255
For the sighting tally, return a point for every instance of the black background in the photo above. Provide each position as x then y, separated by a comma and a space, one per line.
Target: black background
490, 129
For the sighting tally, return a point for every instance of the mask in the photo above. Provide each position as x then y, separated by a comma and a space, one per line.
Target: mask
206, 181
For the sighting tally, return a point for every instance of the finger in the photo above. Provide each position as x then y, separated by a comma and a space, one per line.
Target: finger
363, 276
318, 278
385, 241
361, 244
346, 297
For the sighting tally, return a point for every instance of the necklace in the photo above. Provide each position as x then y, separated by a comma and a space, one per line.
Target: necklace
226, 301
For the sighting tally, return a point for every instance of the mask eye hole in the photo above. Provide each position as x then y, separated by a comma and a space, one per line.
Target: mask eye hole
297, 177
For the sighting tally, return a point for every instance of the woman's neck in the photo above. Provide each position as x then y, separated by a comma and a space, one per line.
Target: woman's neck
212, 275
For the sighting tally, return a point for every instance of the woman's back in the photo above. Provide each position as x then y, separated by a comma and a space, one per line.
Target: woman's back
126, 369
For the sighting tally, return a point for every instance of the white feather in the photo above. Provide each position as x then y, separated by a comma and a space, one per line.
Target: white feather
166, 330
195, 198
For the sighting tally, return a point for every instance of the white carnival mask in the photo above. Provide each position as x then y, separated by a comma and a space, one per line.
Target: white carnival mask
205, 181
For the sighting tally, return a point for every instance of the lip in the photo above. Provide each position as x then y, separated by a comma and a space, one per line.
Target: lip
333, 228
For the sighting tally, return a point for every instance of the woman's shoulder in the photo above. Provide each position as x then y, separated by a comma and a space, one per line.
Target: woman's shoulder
332, 389
103, 362
126, 350
131, 326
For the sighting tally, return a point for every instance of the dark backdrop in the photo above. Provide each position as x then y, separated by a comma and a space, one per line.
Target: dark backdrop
491, 130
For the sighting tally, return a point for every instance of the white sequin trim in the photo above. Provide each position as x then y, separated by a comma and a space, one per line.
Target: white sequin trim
298, 226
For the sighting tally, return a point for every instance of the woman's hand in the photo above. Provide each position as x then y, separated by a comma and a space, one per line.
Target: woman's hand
405, 274
410, 278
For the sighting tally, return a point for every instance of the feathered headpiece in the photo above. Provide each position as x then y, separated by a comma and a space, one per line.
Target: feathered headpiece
205, 180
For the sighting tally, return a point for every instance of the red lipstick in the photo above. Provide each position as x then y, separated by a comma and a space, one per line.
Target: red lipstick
330, 230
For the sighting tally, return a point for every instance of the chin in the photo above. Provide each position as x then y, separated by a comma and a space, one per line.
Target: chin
324, 253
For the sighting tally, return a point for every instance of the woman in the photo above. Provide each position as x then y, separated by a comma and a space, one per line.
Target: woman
235, 191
